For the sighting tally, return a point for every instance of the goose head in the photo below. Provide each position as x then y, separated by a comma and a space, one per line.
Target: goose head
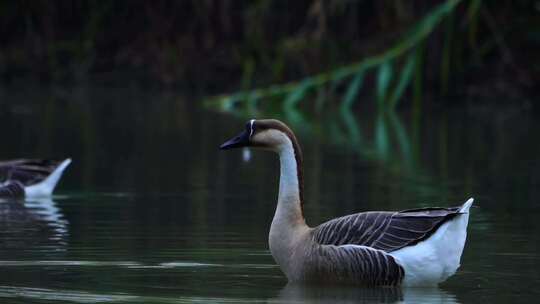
273, 135
266, 134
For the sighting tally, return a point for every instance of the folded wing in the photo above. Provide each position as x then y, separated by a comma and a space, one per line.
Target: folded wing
387, 231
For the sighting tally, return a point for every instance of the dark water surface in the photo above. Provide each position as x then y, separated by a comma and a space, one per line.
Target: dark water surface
150, 211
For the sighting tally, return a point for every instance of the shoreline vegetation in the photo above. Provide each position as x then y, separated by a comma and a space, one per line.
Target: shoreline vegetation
255, 49
402, 62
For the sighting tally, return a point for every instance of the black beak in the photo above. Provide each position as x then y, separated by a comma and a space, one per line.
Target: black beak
240, 140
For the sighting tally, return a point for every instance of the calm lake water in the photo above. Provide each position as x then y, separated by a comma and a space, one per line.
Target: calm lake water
150, 211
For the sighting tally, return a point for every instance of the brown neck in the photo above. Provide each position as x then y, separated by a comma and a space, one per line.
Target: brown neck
299, 171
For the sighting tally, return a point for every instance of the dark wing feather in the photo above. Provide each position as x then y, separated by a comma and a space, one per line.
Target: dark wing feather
356, 265
387, 231
12, 189
27, 171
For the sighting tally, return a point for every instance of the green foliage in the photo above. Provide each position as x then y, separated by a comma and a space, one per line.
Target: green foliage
384, 76
353, 89
404, 79
400, 63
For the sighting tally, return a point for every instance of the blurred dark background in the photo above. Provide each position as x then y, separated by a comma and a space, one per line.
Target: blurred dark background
213, 47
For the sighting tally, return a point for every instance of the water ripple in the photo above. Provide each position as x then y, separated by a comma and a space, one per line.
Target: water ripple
129, 264
76, 296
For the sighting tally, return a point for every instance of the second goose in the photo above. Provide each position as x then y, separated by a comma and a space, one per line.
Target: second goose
30, 177
417, 247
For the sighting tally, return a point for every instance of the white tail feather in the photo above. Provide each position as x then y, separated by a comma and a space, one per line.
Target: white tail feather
438, 257
467, 205
46, 187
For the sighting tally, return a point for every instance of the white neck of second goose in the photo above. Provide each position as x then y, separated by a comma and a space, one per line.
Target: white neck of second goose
288, 223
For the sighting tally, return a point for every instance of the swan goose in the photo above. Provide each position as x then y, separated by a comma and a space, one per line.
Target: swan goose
30, 178
416, 247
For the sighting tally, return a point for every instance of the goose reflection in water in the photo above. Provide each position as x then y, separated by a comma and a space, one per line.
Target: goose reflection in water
294, 293
32, 223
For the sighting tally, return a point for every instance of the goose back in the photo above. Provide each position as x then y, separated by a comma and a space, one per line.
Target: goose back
27, 171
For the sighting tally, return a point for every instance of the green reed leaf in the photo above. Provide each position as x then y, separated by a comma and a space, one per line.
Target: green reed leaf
353, 89
404, 79
384, 77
